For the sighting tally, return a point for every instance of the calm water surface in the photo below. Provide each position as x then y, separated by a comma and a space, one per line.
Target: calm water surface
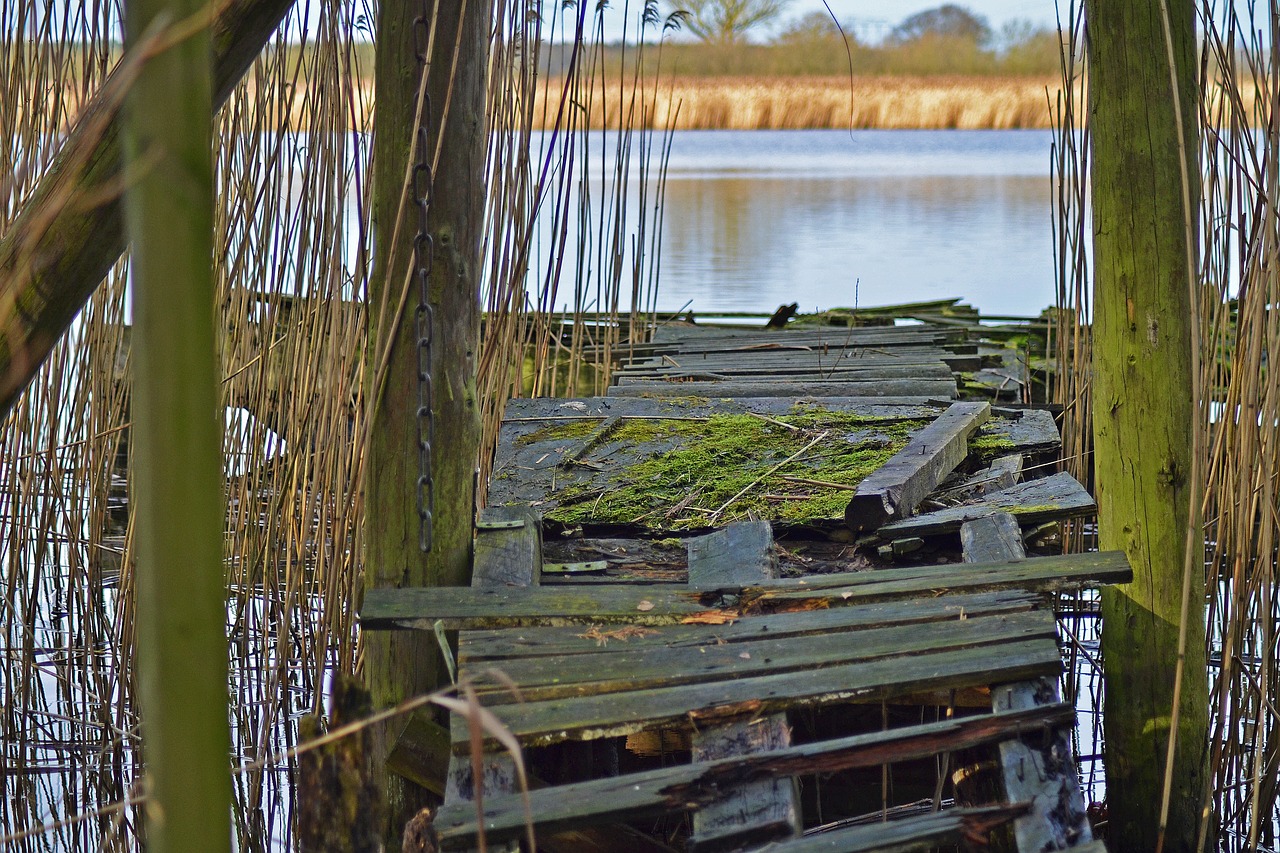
829, 218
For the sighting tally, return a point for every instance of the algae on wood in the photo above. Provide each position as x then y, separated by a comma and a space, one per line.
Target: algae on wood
177, 435
1143, 412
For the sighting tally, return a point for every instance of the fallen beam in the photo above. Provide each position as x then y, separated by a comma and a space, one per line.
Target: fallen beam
61, 246
898, 487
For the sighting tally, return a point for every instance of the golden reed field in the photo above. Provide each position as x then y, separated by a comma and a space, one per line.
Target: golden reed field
806, 103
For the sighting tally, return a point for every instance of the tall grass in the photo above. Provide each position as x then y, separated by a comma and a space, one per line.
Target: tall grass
292, 249
1239, 253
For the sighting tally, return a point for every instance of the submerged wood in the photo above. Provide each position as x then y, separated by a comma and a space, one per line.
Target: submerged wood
898, 487
653, 792
60, 248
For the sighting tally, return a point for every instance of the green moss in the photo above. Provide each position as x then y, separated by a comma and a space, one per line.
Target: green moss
564, 431
710, 462
991, 440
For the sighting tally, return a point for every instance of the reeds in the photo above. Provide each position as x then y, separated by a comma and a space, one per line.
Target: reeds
807, 103
292, 249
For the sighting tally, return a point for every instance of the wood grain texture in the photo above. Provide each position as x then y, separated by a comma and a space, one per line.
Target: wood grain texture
898, 487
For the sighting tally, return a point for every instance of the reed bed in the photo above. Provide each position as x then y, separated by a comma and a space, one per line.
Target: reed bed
812, 103
1239, 252
292, 260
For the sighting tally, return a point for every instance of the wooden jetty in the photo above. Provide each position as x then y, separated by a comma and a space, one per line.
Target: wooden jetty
771, 593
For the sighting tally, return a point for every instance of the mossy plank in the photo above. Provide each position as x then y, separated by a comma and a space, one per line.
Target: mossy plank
613, 714
496, 646
654, 792
912, 835
898, 487
1047, 499
644, 668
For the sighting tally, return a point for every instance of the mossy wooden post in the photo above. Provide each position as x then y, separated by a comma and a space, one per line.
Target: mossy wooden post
181, 594
1143, 412
406, 664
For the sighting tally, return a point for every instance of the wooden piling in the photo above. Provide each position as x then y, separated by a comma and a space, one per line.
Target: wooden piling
1143, 411
177, 435
398, 667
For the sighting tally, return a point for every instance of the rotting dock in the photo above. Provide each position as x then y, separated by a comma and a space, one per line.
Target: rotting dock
771, 593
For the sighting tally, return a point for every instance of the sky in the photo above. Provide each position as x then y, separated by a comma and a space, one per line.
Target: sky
872, 19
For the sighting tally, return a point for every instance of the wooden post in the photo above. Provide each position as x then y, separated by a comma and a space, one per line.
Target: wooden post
1143, 412
407, 664
181, 594
60, 248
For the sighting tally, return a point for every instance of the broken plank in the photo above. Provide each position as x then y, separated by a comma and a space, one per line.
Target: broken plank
656, 792
898, 487
496, 646
1047, 499
918, 388
1043, 773
542, 678
760, 810
992, 538
613, 714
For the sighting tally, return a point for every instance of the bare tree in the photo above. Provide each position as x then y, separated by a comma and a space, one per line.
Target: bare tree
727, 21
949, 21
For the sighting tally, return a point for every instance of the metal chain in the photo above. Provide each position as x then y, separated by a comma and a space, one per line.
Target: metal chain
423, 250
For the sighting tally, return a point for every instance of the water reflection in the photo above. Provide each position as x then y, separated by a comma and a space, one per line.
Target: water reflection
827, 218
752, 243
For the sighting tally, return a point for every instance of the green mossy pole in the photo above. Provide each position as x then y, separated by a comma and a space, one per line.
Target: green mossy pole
402, 664
177, 485
1143, 412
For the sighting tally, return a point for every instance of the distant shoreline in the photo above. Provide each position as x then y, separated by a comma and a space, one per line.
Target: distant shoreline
817, 103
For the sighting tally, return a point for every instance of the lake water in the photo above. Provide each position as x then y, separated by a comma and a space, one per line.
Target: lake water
832, 218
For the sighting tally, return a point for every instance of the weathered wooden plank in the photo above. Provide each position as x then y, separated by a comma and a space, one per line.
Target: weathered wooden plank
764, 809
738, 555
1054, 497
1042, 772
820, 358
590, 717
464, 608
692, 786
898, 487
496, 646
992, 538
928, 388
842, 369
542, 678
